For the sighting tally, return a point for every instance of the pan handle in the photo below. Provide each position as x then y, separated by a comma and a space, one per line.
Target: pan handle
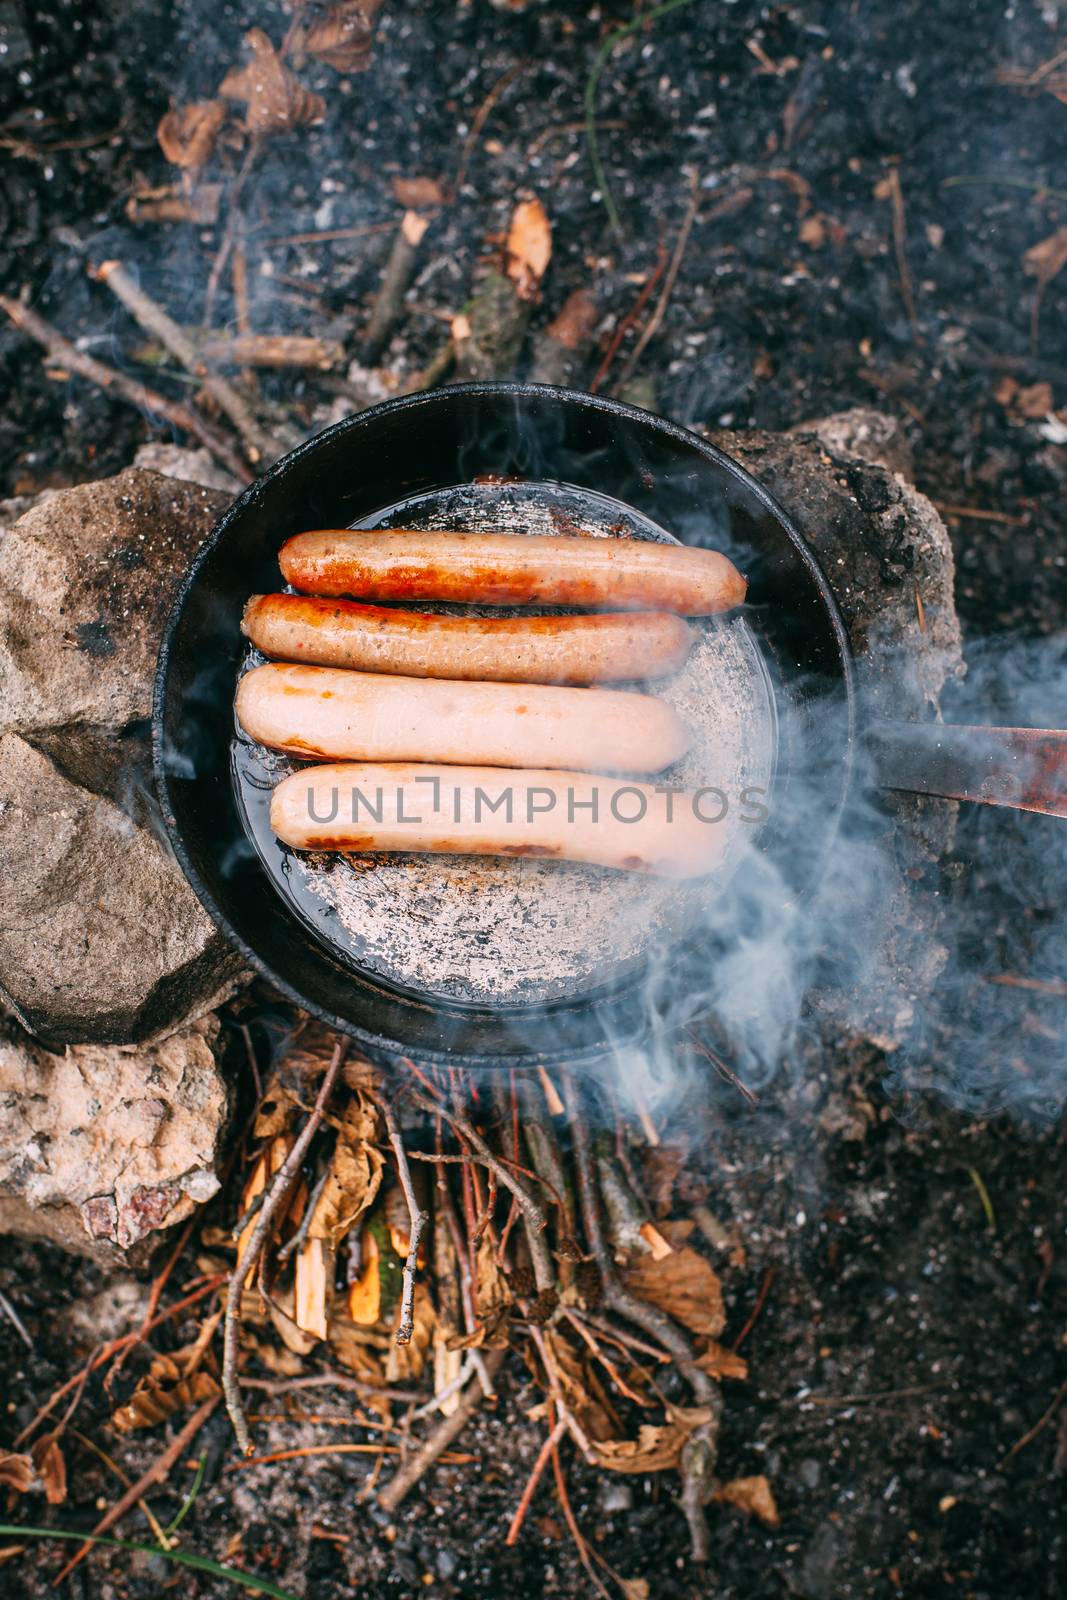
1022, 768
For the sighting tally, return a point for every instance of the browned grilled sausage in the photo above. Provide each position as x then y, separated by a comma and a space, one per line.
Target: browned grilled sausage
513, 569
572, 650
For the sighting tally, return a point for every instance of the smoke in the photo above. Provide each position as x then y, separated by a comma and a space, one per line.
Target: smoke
946, 946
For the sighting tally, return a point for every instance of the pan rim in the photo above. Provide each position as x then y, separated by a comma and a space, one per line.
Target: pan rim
374, 1044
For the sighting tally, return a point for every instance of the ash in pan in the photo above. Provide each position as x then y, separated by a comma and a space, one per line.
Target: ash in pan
485, 929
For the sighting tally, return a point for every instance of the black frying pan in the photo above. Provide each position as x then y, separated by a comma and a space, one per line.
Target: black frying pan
399, 451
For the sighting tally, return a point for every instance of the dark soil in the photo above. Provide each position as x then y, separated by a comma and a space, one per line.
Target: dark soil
908, 1340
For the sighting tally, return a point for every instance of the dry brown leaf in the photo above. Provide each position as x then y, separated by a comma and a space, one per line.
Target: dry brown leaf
417, 194
172, 1383
355, 1174
812, 232
752, 1495
684, 1285
282, 1362
353, 1347
1034, 401
276, 100
529, 247
344, 35
718, 1362
657, 1448
1048, 257
187, 134
18, 1472
635, 1588
51, 1469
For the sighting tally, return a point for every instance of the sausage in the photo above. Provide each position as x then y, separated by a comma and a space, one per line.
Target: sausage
482, 811
513, 569
363, 716
573, 650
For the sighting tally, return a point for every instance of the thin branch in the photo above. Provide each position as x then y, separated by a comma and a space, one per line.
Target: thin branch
539, 1466
670, 279
698, 1456
535, 1217
158, 1472
160, 325
449, 1429
279, 1189
65, 354
418, 1219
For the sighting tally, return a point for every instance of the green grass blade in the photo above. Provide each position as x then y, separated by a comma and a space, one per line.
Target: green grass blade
247, 1580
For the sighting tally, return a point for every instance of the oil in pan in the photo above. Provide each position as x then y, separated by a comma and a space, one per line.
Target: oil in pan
506, 932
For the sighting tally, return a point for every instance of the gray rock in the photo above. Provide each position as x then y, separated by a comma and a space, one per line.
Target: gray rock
86, 581
101, 938
103, 1146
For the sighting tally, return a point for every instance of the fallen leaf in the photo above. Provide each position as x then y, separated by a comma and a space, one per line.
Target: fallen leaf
812, 232
343, 36
355, 1173
657, 1448
575, 323
413, 226
18, 1472
752, 1495
1048, 257
684, 1285
1005, 391
718, 1362
172, 1383
1034, 401
51, 1468
276, 100
529, 247
635, 1588
417, 193
187, 134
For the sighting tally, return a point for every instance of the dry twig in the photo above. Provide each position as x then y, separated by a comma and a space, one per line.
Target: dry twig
447, 1430
158, 1472
418, 1219
65, 354
157, 322
276, 1195
652, 325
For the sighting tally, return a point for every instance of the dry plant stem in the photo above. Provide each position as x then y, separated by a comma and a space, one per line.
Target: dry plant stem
572, 1524
449, 1429
543, 1457
458, 1382
158, 1472
652, 325
229, 235
418, 1220
276, 1195
570, 1421
155, 321
117, 383
535, 1217
900, 245
698, 1457
329, 1380
300, 1236
479, 121
627, 322
397, 274
466, 1295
